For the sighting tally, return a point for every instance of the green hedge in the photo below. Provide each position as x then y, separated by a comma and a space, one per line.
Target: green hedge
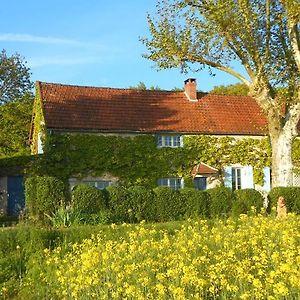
291, 195
220, 201
88, 199
141, 204
44, 195
195, 202
168, 203
245, 199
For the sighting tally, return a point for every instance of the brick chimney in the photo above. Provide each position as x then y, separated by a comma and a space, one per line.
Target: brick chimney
190, 89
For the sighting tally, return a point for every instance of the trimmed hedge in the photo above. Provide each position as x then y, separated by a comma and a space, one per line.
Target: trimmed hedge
88, 199
141, 204
220, 201
119, 203
44, 195
195, 203
168, 204
291, 195
245, 199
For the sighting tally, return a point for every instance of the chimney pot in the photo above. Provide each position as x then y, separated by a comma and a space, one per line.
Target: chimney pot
190, 88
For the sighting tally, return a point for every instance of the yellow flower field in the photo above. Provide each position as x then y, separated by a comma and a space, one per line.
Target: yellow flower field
249, 258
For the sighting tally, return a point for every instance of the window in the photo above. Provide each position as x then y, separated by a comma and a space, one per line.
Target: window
173, 141
236, 178
174, 183
99, 184
200, 183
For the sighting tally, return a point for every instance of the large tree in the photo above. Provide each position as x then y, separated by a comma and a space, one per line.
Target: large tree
263, 35
14, 78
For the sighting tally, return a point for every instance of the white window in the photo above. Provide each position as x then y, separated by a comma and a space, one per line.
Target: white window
174, 183
236, 178
173, 141
240, 177
99, 184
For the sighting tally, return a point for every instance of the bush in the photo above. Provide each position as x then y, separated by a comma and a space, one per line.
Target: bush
168, 204
88, 199
119, 203
195, 202
44, 195
245, 199
220, 201
141, 204
291, 195
30, 195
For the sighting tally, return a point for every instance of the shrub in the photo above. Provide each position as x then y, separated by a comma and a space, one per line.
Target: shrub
88, 199
30, 194
50, 195
245, 199
220, 201
119, 203
141, 204
168, 204
291, 195
195, 202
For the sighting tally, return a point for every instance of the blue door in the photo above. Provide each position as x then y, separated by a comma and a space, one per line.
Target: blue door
15, 197
200, 183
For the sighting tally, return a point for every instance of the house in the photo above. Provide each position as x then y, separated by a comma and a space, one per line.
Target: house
171, 118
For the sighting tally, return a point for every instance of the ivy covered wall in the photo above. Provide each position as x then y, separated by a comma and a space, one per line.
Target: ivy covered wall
136, 159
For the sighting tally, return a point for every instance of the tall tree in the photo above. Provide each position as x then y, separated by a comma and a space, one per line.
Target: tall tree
263, 35
15, 118
14, 77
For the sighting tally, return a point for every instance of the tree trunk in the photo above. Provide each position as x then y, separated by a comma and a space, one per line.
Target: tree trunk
282, 165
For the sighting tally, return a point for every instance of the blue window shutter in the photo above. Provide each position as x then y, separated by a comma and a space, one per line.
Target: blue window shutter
228, 177
247, 177
267, 179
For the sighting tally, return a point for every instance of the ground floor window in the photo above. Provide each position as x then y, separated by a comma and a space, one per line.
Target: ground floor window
99, 184
174, 183
200, 183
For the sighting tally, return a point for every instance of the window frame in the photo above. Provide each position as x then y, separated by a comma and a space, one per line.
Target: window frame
236, 178
168, 182
169, 141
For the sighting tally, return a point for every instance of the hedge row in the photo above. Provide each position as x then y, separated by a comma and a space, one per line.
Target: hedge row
46, 195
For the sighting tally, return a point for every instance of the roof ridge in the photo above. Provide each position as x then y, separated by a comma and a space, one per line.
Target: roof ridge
106, 88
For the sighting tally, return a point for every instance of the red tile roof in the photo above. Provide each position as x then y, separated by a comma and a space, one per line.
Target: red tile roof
201, 169
68, 107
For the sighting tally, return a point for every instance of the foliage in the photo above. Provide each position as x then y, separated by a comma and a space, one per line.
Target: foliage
246, 258
246, 199
88, 199
137, 160
169, 206
14, 78
141, 203
220, 201
238, 89
142, 86
15, 120
195, 203
290, 194
64, 217
44, 195
119, 204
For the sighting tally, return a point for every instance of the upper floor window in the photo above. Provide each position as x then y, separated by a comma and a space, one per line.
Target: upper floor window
173, 141
174, 183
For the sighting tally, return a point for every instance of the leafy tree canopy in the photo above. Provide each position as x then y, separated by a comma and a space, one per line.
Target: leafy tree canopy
14, 78
15, 120
142, 86
238, 89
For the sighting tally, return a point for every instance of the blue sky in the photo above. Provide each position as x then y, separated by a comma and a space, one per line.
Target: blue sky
91, 42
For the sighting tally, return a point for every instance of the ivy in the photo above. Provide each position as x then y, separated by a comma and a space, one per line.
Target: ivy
137, 160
